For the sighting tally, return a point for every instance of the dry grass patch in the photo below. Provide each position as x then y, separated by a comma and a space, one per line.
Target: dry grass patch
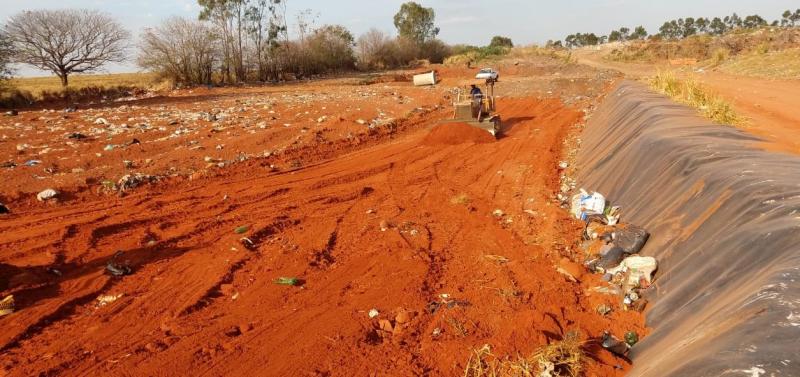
692, 93
563, 358
774, 64
38, 86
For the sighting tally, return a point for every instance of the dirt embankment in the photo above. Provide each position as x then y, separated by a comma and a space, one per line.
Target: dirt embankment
401, 226
768, 105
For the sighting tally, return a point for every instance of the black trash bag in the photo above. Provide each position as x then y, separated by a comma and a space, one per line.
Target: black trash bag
631, 238
610, 259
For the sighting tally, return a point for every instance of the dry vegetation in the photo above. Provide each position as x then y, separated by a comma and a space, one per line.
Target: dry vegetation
692, 93
39, 86
776, 64
707, 48
563, 358
23, 92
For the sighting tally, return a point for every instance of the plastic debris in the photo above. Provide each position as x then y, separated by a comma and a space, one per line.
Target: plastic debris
585, 204
287, 281
242, 229
104, 300
616, 346
116, 268
631, 337
7, 305
32, 162
638, 269
603, 309
47, 195
631, 238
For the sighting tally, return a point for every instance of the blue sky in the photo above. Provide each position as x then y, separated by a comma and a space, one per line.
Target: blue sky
461, 21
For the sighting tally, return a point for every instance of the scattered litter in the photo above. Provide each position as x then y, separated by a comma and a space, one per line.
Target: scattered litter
639, 270
631, 238
603, 309
11, 113
248, 243
242, 229
7, 305
77, 136
32, 162
447, 302
109, 147
117, 268
104, 300
563, 165
47, 195
287, 281
373, 313
631, 337
130, 181
616, 346
584, 204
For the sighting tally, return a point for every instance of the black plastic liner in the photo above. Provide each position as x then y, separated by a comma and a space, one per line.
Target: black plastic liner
724, 219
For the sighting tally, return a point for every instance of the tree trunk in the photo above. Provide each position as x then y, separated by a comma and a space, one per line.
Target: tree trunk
64, 80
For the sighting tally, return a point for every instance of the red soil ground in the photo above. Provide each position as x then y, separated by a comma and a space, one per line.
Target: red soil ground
388, 222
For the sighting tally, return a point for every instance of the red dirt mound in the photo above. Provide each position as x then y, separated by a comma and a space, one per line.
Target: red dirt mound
457, 133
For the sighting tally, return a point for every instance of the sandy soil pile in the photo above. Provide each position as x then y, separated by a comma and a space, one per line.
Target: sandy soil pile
457, 133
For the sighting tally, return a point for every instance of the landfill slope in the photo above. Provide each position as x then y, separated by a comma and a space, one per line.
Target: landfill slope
724, 222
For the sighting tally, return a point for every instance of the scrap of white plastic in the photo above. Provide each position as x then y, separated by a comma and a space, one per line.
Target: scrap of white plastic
637, 267
584, 204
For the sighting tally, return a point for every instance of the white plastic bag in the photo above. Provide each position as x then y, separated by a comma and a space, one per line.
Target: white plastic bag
584, 204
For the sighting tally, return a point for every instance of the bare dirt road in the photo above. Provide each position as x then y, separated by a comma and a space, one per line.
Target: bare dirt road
452, 238
770, 105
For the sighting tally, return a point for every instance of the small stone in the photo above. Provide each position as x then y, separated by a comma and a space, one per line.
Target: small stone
128, 164
46, 195
384, 225
498, 213
101, 121
402, 317
109, 147
373, 313
385, 325
361, 122
22, 147
563, 165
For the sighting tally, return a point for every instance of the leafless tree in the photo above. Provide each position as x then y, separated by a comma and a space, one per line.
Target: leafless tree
376, 50
6, 52
67, 41
183, 50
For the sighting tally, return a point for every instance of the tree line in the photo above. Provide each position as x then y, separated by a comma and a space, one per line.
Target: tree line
231, 41
681, 28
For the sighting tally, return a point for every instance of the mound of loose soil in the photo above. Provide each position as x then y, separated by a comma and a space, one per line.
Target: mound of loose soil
457, 133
